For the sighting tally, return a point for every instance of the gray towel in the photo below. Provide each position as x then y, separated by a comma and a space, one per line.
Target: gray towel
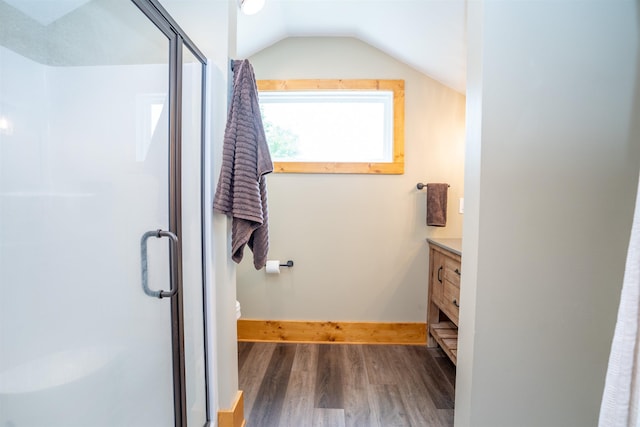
242, 188
437, 204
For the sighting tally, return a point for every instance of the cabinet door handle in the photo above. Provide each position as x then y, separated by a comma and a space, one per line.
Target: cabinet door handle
457, 271
456, 303
439, 271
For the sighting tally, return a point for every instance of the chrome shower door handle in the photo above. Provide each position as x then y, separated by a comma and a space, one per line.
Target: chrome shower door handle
143, 261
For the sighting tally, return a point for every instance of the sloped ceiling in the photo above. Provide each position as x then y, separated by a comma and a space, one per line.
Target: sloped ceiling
46, 11
428, 35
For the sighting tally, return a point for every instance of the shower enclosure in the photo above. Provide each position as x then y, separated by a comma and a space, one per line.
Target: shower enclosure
101, 247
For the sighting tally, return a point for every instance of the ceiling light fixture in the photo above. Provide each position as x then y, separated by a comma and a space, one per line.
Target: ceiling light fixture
250, 7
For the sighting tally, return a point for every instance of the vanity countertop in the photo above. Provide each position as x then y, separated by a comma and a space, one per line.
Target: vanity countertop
453, 245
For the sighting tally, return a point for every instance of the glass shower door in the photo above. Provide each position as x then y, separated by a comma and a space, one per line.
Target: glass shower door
192, 72
84, 174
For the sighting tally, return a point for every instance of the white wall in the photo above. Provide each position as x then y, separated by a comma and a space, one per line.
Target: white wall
358, 241
23, 106
552, 169
23, 84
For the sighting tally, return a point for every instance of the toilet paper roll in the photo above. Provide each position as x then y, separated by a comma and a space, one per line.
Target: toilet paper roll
273, 266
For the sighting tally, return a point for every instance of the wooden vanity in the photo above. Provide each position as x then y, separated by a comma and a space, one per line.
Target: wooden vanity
445, 256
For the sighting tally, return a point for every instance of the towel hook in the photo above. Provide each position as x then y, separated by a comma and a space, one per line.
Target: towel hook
420, 186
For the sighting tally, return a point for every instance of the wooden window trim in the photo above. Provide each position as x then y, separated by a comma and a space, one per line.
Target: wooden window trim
395, 167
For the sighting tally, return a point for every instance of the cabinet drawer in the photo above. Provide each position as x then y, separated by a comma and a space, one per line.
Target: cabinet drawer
451, 301
452, 271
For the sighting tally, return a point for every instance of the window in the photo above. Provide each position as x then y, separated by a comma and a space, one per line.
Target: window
334, 126
149, 109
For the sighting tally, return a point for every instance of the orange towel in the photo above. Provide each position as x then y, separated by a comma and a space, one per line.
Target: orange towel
437, 204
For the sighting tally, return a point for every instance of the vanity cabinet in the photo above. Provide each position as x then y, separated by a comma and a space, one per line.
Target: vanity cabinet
444, 294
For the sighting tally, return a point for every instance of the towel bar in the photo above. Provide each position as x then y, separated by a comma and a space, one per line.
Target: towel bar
420, 186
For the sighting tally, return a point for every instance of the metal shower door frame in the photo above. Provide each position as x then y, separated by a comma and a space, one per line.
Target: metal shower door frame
178, 39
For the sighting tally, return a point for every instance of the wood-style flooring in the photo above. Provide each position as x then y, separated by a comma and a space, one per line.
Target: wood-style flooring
335, 385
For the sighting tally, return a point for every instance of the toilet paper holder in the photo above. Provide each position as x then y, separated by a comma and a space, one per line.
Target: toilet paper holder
287, 264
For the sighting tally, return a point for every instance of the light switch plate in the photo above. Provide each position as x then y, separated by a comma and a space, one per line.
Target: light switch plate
461, 205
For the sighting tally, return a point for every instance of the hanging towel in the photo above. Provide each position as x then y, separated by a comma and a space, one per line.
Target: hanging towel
242, 190
437, 204
621, 396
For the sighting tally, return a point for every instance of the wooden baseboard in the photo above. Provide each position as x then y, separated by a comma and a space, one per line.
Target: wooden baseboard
234, 417
332, 332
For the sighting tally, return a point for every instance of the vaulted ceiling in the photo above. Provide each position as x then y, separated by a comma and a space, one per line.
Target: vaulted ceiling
46, 11
428, 35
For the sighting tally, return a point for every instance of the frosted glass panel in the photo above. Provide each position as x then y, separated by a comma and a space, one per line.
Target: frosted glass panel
83, 174
192, 239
